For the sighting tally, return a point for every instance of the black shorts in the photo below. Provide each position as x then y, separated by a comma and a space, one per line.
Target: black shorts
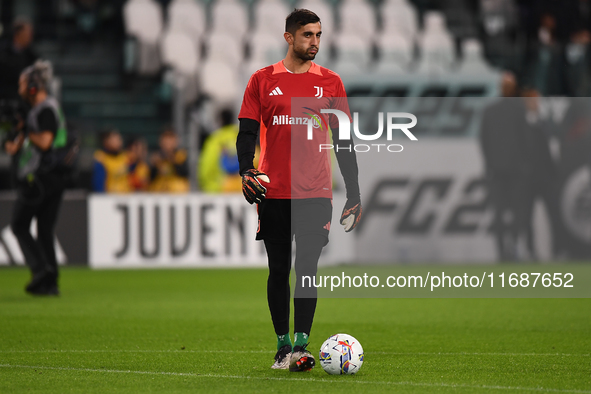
281, 219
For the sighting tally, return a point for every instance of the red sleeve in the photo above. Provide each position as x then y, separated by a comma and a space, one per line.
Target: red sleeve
251, 103
339, 101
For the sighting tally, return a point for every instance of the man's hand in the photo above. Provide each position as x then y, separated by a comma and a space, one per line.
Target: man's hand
253, 190
351, 214
12, 147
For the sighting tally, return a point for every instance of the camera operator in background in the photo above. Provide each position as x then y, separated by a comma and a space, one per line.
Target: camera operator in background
42, 155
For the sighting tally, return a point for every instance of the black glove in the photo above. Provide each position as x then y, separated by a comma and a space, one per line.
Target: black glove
351, 213
253, 190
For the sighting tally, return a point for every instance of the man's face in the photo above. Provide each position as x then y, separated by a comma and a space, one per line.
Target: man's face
24, 38
168, 143
114, 142
508, 85
306, 41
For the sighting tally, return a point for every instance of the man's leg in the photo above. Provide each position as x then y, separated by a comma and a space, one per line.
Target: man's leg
46, 221
311, 220
279, 260
22, 216
275, 231
308, 250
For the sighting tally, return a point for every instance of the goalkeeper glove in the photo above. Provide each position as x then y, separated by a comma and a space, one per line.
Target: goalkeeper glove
351, 213
253, 190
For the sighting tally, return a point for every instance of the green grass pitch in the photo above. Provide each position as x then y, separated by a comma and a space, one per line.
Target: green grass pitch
207, 330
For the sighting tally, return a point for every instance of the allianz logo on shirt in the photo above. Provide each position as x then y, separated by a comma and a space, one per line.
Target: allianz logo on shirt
282, 120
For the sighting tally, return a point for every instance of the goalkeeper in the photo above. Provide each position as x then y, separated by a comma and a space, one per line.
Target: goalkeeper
293, 192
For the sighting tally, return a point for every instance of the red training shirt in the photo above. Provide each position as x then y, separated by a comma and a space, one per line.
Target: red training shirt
268, 99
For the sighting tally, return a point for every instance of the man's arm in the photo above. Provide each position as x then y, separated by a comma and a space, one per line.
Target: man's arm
347, 161
42, 140
246, 143
48, 124
348, 165
12, 147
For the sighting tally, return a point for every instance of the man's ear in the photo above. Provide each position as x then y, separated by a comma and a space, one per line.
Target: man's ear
288, 37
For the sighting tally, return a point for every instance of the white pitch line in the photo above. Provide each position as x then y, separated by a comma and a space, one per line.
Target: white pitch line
135, 351
269, 352
332, 381
484, 354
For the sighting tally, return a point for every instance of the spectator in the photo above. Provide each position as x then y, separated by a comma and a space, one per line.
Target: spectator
542, 178
218, 164
139, 171
548, 58
577, 64
170, 169
111, 169
503, 143
15, 55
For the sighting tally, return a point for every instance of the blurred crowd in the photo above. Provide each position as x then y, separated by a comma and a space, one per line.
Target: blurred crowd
545, 42
521, 168
130, 168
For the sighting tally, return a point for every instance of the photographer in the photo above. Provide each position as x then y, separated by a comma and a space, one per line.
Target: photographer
38, 151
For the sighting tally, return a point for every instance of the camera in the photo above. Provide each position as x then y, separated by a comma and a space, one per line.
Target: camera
10, 119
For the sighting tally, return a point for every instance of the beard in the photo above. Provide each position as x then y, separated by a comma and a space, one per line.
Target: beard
304, 54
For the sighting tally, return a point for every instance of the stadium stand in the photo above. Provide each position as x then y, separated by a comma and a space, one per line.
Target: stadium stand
398, 17
143, 22
473, 62
179, 53
353, 54
436, 46
326, 13
358, 17
229, 17
396, 53
188, 17
219, 82
269, 17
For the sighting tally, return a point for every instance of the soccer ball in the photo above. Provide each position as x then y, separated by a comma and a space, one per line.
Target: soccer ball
341, 354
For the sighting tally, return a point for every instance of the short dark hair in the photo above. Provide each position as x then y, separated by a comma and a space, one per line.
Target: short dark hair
168, 131
133, 140
227, 116
106, 134
298, 18
19, 24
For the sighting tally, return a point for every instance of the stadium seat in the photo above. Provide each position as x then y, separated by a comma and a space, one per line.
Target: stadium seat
269, 17
401, 17
224, 48
219, 82
473, 62
266, 48
188, 17
180, 55
353, 54
460, 19
143, 21
436, 45
229, 17
358, 17
178, 52
326, 14
396, 53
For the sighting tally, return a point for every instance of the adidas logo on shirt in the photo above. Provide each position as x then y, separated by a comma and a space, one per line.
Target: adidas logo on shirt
276, 92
